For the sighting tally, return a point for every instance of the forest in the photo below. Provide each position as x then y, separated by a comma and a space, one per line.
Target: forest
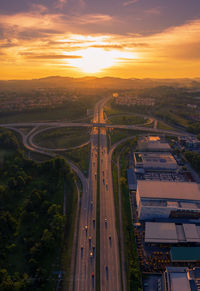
33, 227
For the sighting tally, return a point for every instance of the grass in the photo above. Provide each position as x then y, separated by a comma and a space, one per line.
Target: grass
126, 119
62, 137
131, 257
80, 157
66, 112
98, 225
118, 134
163, 125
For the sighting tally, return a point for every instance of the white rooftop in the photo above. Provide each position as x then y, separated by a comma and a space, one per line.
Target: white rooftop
168, 190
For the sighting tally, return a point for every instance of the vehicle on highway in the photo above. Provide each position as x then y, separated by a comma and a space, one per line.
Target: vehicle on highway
107, 272
106, 222
110, 240
90, 239
86, 229
91, 256
81, 251
93, 223
104, 181
106, 186
93, 249
92, 279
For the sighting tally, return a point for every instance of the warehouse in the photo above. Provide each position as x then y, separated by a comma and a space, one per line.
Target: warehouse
168, 200
155, 162
171, 233
153, 144
181, 279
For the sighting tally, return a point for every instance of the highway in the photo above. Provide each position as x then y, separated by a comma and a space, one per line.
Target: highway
85, 273
109, 251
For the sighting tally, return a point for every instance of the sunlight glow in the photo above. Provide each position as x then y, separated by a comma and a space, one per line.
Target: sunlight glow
94, 60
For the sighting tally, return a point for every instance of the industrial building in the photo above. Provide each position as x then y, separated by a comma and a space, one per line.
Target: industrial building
190, 142
132, 179
171, 233
168, 200
154, 162
153, 144
182, 279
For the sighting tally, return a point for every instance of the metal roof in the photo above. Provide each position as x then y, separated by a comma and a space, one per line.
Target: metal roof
168, 190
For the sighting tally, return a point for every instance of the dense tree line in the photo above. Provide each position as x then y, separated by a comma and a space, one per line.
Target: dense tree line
32, 224
194, 159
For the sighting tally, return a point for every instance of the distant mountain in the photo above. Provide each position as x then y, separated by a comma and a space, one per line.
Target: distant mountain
94, 82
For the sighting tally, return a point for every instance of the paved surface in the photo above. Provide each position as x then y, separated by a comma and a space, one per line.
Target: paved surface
109, 255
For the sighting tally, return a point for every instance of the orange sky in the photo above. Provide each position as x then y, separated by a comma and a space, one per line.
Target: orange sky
41, 45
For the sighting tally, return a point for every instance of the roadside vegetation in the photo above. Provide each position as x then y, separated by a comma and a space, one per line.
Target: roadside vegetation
194, 159
35, 233
80, 157
62, 137
126, 119
133, 272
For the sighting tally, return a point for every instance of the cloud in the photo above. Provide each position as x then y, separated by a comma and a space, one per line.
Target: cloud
130, 2
46, 56
153, 11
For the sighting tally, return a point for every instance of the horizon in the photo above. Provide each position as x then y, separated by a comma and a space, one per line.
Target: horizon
103, 77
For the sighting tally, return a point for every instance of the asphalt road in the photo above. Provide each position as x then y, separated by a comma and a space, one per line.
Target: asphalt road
109, 251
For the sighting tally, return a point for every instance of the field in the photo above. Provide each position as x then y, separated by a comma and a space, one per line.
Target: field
62, 137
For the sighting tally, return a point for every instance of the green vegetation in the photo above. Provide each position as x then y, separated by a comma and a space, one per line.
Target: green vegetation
194, 127
119, 134
174, 106
194, 159
126, 119
62, 137
98, 224
47, 105
163, 125
35, 234
131, 257
80, 157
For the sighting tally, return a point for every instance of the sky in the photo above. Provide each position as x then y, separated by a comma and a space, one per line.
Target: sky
119, 38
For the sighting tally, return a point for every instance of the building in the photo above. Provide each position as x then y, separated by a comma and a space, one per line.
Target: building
181, 279
154, 162
171, 233
132, 179
153, 144
168, 200
190, 142
185, 254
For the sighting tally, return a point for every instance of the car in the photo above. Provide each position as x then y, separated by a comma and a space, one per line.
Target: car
109, 237
106, 186
86, 227
104, 181
91, 254
92, 274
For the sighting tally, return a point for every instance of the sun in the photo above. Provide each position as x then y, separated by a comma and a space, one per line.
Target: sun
94, 60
